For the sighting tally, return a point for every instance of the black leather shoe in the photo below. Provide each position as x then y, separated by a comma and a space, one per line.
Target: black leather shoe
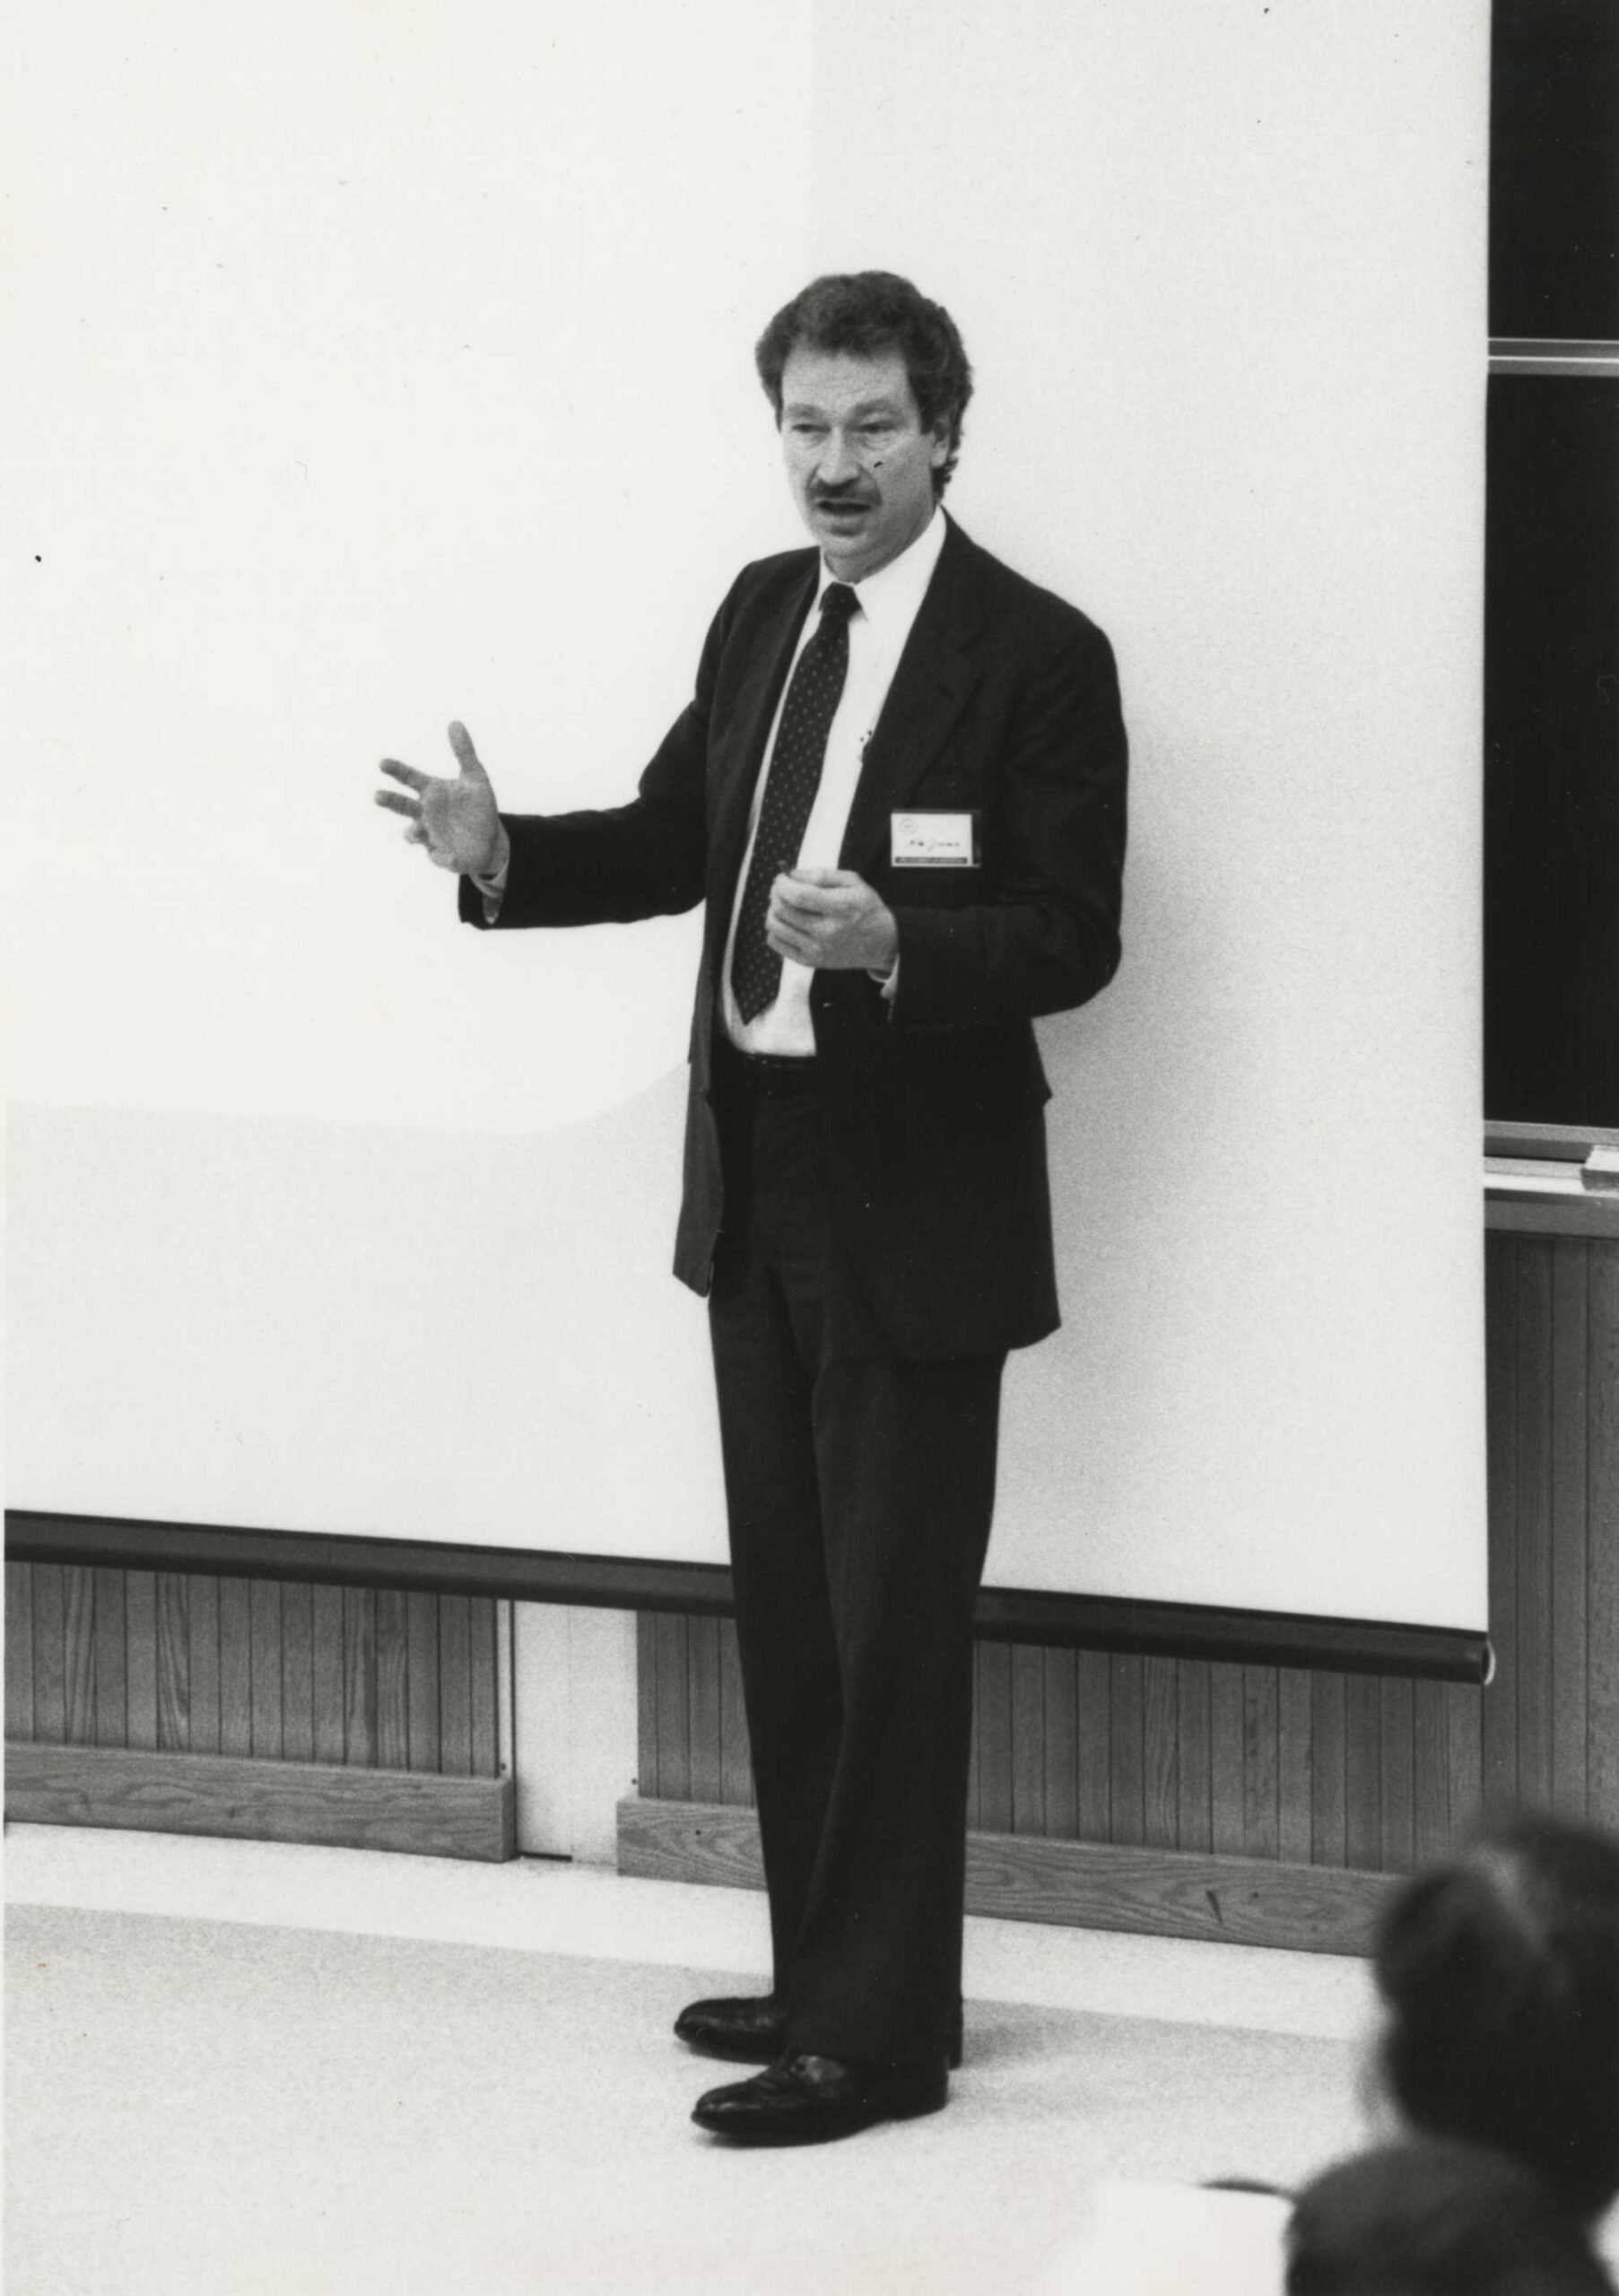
749, 2028
810, 2100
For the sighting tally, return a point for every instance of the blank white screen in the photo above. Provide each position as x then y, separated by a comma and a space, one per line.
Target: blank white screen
419, 387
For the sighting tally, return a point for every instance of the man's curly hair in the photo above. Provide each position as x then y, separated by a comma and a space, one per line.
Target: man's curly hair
868, 313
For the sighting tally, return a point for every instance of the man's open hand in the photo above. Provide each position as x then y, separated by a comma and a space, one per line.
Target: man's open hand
829, 918
457, 821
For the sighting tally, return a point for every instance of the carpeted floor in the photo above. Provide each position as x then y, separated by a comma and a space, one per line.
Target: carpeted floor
220, 2107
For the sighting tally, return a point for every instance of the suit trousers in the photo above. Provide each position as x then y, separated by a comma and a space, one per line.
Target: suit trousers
859, 1488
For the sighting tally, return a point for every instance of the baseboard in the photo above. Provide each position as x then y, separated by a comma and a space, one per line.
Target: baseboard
415, 1811
1084, 1885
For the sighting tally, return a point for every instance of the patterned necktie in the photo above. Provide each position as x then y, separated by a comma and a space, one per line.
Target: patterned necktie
813, 695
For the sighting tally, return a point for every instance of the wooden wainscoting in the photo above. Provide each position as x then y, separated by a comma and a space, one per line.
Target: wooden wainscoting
1267, 1771
257, 1690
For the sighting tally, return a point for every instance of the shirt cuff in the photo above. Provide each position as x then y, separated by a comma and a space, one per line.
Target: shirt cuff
888, 982
493, 886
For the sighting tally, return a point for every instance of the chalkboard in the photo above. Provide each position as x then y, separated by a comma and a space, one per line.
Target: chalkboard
1552, 608
1552, 750
1555, 169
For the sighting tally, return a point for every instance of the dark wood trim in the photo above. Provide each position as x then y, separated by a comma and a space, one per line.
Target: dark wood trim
1570, 1212
408, 1566
1546, 355
1563, 1144
703, 1590
1083, 1884
1352, 1646
412, 1811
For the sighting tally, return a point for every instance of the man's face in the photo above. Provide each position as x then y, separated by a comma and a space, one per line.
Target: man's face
860, 463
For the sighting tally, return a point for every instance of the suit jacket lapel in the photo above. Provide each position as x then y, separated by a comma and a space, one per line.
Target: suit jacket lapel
936, 673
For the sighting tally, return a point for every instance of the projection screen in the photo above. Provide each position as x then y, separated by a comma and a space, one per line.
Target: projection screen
388, 368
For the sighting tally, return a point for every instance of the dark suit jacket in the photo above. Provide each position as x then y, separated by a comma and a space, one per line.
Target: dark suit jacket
1006, 703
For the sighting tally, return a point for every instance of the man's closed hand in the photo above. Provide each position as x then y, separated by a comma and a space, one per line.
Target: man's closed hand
831, 918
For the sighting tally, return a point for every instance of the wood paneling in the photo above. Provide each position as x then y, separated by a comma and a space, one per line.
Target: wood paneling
1261, 1812
1284, 1766
483, 1688
360, 1680
1059, 1741
649, 1719
1019, 1877
702, 1721
1225, 1760
1193, 1805
1295, 1761
298, 1678
263, 1643
175, 1663
79, 1656
1128, 1737
236, 1671
262, 1800
1328, 1773
1464, 1764
204, 1699
1500, 1712
50, 1654
1096, 1740
393, 1669
1362, 1771
421, 1681
1029, 1726
140, 1678
18, 1651
1533, 1521
1431, 1772
1396, 1787
1601, 1539
331, 1721
736, 1763
995, 1736
1569, 1416
674, 1764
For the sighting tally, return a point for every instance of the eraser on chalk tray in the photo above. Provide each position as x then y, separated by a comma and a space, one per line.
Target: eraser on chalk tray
1600, 1169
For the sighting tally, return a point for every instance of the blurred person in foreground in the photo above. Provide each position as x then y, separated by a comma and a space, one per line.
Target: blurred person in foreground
1430, 2217
1493, 2083
1498, 1972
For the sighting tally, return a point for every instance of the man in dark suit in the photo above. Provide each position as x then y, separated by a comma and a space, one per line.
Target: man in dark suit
899, 789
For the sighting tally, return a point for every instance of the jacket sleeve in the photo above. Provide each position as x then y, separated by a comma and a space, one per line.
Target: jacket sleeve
647, 858
1049, 938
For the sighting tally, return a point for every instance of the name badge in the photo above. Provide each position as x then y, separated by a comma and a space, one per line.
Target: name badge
934, 840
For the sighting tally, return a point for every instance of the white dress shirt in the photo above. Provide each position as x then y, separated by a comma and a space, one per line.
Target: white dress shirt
887, 602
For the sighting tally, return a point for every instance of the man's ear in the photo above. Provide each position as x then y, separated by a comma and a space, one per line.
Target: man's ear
938, 454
